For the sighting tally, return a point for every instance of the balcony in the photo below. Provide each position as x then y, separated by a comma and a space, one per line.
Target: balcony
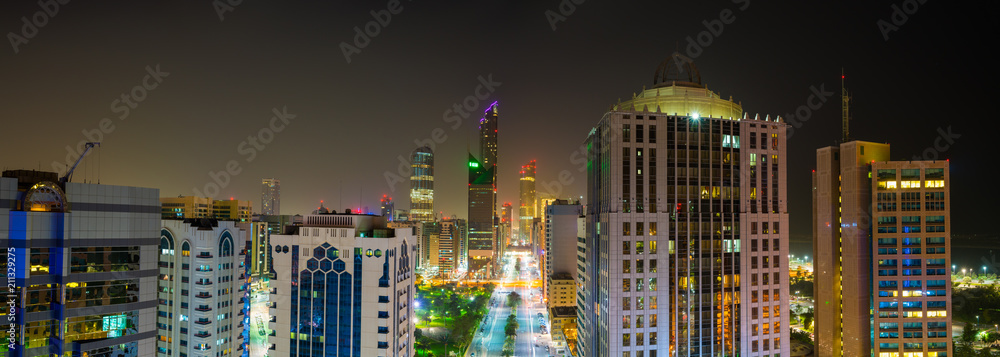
203, 308
204, 282
204, 255
202, 334
203, 295
203, 322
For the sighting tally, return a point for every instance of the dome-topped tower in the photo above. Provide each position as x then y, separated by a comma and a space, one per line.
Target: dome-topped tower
678, 70
678, 90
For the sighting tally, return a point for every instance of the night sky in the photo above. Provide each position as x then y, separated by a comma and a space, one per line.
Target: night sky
225, 76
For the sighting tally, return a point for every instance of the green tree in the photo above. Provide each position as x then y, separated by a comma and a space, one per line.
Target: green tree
513, 299
969, 333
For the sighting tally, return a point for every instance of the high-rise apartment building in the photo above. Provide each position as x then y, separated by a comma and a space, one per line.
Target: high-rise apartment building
527, 208
687, 226
270, 196
387, 208
202, 207
201, 276
344, 287
563, 227
881, 246
81, 266
422, 185
483, 196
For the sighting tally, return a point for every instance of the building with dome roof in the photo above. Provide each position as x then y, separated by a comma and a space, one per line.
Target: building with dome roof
686, 238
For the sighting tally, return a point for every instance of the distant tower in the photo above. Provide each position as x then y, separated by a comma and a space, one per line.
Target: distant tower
845, 109
270, 196
483, 192
388, 208
527, 211
422, 185
505, 223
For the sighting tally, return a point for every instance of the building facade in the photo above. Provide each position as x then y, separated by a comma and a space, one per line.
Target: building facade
344, 288
526, 211
388, 209
559, 268
422, 185
201, 275
881, 244
202, 207
270, 196
81, 265
687, 226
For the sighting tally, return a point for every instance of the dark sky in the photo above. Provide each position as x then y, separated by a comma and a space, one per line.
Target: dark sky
353, 119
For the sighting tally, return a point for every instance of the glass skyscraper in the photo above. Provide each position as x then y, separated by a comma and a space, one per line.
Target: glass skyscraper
422, 185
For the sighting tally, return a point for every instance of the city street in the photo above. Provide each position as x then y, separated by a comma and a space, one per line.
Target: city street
530, 341
258, 323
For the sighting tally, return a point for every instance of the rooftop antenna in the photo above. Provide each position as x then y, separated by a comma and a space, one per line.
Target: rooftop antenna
845, 108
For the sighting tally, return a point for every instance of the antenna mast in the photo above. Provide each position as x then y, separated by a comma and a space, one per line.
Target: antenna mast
845, 107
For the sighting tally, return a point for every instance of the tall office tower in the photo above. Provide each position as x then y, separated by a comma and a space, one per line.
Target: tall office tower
505, 224
527, 208
200, 287
483, 195
678, 177
270, 196
388, 208
880, 287
344, 288
449, 246
561, 233
422, 185
81, 265
562, 229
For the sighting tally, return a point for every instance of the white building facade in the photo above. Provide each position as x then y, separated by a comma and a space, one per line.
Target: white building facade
202, 271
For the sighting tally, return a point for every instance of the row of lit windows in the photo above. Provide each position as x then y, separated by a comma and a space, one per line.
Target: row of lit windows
640, 266
640, 321
627, 284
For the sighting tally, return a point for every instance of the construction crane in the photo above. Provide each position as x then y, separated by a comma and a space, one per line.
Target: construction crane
845, 99
69, 174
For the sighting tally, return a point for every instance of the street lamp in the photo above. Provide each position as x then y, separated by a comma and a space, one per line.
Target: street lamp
953, 268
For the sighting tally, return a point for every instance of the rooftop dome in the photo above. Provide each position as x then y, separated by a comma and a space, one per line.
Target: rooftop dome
677, 70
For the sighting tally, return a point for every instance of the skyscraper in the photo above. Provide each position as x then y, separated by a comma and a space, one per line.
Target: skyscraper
81, 265
881, 247
388, 208
422, 185
270, 196
505, 223
678, 177
528, 203
344, 287
483, 194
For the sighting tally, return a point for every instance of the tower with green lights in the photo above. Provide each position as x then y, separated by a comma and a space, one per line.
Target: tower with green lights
482, 247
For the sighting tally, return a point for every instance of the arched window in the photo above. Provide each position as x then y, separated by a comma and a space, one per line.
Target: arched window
166, 242
186, 249
226, 244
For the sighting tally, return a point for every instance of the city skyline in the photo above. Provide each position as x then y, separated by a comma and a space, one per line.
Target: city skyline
850, 39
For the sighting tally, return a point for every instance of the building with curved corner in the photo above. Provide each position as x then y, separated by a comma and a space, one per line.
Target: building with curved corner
687, 226
422, 185
81, 266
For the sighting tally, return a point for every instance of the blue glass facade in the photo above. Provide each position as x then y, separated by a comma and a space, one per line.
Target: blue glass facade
326, 308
